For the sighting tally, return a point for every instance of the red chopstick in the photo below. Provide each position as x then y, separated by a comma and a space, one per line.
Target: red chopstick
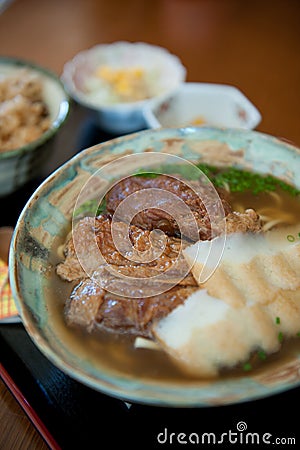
37, 422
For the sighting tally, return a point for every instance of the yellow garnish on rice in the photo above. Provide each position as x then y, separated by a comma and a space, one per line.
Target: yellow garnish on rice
129, 83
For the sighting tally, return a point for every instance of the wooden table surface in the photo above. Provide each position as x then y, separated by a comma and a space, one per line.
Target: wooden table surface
254, 45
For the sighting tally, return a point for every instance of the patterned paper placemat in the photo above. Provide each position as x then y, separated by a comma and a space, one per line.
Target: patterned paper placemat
8, 309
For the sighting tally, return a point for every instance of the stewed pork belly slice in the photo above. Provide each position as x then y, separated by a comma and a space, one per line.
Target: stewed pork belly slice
92, 247
163, 192
94, 241
91, 307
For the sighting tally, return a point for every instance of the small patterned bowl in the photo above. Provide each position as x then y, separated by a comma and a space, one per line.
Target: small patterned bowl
210, 104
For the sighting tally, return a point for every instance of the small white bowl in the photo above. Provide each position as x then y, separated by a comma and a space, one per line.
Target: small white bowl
204, 103
163, 70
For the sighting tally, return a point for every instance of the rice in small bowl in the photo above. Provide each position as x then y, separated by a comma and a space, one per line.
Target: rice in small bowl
33, 107
117, 80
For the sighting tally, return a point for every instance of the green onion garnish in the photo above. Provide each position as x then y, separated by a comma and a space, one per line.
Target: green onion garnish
247, 366
261, 354
290, 238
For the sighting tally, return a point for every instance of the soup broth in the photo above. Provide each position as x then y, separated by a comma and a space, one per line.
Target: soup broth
117, 352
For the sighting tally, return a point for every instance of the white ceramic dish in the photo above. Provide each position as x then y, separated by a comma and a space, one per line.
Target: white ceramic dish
163, 70
204, 103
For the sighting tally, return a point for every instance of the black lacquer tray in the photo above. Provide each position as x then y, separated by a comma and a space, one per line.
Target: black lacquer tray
70, 415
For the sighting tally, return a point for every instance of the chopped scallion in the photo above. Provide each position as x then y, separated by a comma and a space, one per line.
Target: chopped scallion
290, 238
261, 354
247, 366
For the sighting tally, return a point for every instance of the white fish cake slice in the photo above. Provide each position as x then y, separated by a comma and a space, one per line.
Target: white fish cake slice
253, 266
205, 334
285, 311
251, 299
